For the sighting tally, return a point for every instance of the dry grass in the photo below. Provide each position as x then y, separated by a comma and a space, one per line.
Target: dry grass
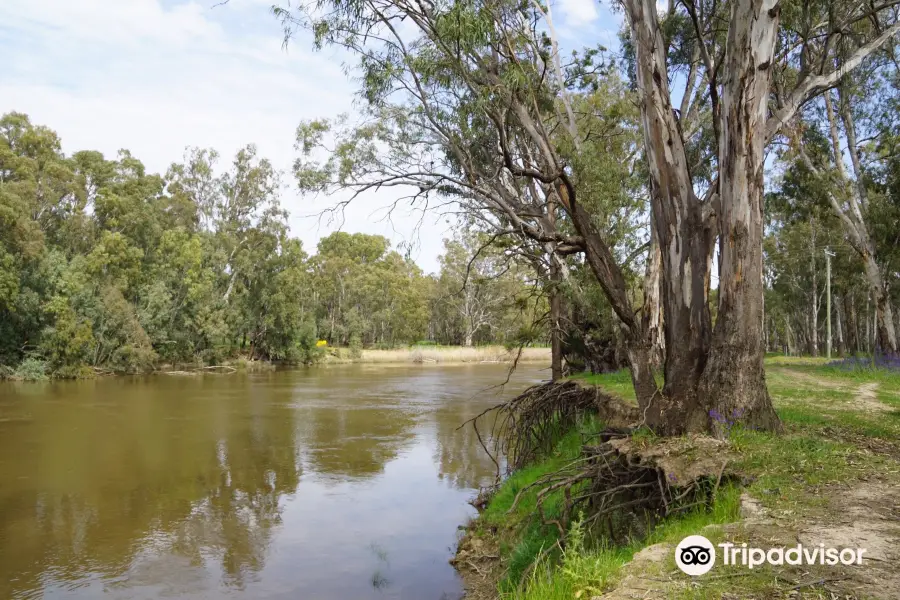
443, 355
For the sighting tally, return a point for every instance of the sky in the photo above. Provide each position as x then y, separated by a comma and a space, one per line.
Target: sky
157, 76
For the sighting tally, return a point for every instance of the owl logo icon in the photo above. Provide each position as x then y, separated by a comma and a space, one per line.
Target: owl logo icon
695, 555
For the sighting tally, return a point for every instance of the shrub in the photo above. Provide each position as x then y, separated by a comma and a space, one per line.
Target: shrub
355, 346
309, 348
31, 369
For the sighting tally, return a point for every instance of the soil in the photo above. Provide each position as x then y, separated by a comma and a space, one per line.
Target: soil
866, 400
864, 516
683, 459
477, 561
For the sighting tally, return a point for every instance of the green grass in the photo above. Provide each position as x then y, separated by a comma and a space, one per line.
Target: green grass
525, 537
588, 569
824, 443
617, 383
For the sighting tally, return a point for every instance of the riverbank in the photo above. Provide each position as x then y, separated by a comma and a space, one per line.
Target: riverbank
832, 478
37, 370
440, 355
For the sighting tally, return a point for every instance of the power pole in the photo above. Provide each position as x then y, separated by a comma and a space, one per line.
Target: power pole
828, 255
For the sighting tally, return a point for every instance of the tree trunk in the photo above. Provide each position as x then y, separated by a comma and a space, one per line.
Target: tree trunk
652, 308
685, 237
789, 335
814, 293
733, 385
854, 223
556, 371
868, 323
611, 279
556, 350
852, 325
839, 329
884, 316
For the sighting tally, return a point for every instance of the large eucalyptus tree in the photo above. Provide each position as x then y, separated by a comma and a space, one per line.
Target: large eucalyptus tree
470, 104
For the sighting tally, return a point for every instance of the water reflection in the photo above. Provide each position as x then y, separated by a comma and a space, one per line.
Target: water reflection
326, 483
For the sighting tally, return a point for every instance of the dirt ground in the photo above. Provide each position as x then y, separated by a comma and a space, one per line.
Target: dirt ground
866, 516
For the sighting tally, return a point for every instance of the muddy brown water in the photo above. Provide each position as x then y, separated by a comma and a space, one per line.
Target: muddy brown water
335, 483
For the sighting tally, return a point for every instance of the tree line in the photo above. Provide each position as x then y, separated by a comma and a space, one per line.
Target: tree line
105, 267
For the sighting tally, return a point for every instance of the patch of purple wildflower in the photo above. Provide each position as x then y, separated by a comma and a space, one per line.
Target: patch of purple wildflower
890, 362
727, 423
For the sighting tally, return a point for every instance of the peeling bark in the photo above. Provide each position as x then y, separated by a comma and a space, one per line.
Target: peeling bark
652, 315
734, 383
684, 235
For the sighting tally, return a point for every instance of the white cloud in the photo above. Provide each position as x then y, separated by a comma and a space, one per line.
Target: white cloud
154, 77
579, 12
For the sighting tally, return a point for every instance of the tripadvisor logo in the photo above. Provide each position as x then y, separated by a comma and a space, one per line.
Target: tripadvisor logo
696, 555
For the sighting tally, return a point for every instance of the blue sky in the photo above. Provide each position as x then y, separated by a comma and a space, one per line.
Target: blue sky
156, 76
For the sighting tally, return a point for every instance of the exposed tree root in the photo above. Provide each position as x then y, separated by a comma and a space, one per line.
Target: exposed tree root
527, 426
616, 482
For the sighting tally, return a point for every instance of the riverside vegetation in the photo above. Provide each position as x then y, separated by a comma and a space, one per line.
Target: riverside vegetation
831, 477
759, 133
105, 267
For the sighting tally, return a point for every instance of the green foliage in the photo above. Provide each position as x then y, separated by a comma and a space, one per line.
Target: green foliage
30, 369
483, 296
307, 348
105, 267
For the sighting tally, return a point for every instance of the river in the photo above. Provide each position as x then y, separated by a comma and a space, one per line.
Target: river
343, 482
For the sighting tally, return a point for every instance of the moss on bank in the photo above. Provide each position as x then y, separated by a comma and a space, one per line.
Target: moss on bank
841, 432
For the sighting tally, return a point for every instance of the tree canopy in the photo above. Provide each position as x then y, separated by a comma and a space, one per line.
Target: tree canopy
106, 267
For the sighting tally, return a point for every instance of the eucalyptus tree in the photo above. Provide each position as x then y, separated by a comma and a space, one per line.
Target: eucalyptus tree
849, 191
750, 65
461, 111
468, 102
484, 289
366, 293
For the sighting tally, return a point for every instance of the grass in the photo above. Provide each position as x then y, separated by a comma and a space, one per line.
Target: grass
587, 569
617, 383
828, 440
526, 537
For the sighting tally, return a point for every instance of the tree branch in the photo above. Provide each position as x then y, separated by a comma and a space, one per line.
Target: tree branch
812, 85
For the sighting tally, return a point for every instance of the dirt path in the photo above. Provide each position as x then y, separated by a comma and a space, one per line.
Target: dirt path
866, 399
811, 381
862, 516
